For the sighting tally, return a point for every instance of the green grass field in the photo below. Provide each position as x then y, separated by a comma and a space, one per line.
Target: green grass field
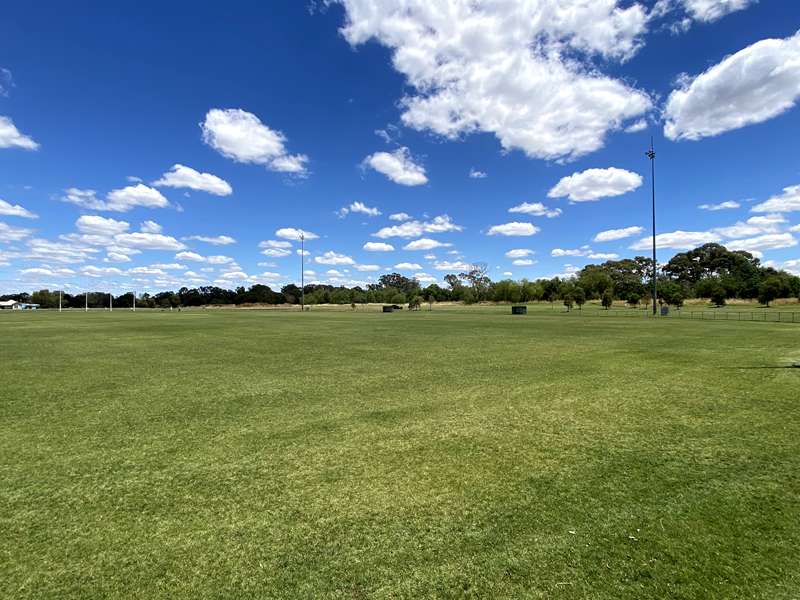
444, 454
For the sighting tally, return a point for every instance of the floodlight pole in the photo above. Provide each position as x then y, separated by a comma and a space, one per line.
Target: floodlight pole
302, 272
86, 307
59, 300
134, 300
651, 154
110, 302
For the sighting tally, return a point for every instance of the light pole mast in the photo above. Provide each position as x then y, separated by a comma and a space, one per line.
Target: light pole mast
59, 300
651, 154
302, 271
134, 300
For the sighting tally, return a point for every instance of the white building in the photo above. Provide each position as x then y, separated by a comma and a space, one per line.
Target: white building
14, 305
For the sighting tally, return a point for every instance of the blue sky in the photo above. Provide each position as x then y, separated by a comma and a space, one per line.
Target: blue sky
129, 132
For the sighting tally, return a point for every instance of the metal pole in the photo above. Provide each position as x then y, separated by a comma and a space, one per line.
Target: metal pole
134, 300
86, 308
302, 272
110, 302
652, 156
59, 300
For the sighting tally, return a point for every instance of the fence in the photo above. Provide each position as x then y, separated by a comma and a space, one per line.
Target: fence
761, 316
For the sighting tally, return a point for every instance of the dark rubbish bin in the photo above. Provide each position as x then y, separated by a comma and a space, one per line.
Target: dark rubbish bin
388, 309
519, 310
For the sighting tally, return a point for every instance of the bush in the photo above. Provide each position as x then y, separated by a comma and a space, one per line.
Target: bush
608, 299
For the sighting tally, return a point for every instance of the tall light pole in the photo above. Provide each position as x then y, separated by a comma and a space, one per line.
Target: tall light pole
59, 300
302, 271
86, 307
134, 300
651, 154
110, 302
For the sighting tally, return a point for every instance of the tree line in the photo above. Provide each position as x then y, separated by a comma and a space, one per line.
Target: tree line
710, 271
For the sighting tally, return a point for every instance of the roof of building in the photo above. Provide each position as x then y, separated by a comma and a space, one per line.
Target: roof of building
8, 302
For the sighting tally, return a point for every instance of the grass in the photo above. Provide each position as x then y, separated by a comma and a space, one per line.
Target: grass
444, 454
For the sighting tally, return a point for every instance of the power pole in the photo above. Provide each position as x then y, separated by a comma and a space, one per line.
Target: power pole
302, 271
651, 154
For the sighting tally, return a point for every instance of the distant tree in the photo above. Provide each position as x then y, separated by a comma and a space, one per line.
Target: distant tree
580, 296
717, 295
414, 303
477, 278
398, 298
568, 300
634, 298
672, 293
769, 290
608, 298
452, 280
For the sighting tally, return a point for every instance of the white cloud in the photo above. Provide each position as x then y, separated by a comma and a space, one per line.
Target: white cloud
637, 126
378, 247
795, 229
770, 241
15, 210
401, 216
519, 253
677, 240
358, 207
440, 224
446, 265
617, 234
149, 241
192, 256
728, 204
217, 240
755, 84
514, 228
101, 226
332, 258
150, 227
520, 70
120, 200
407, 266
40, 249
93, 271
241, 136
368, 268
147, 271
276, 252
536, 209
12, 234
290, 233
10, 136
523, 262
47, 271
711, 10
219, 260
423, 277
181, 176
135, 195
475, 174
398, 166
753, 226
425, 244
169, 266
594, 184
789, 201
117, 257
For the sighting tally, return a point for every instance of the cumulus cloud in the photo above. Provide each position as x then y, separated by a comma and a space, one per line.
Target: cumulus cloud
149, 241
407, 266
523, 262
677, 240
476, 174
12, 234
291, 233
519, 253
711, 10
788, 201
241, 136
753, 226
639, 125
584, 251
63, 252
378, 247
358, 207
181, 176
333, 258
728, 204
425, 244
447, 265
10, 136
216, 240
101, 226
757, 83
398, 166
594, 184
502, 68
368, 268
401, 216
617, 234
514, 228
536, 209
120, 200
192, 256
770, 241
408, 229
15, 210
150, 227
